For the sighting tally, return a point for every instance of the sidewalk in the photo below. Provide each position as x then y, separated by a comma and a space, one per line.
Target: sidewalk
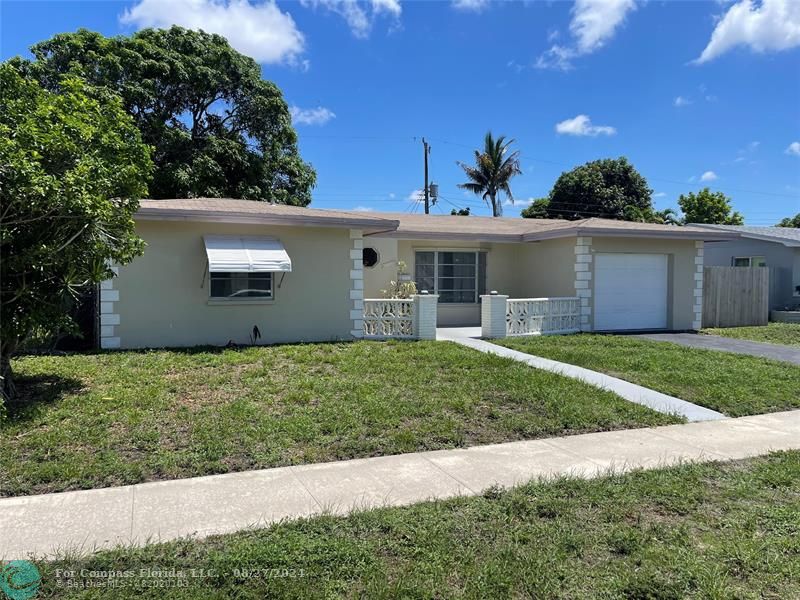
160, 511
470, 337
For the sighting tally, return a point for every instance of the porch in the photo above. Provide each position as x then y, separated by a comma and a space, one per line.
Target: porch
416, 318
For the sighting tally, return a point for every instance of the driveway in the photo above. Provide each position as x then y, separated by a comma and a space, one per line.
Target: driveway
723, 344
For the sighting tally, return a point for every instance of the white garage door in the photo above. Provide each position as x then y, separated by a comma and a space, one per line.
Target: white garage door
630, 291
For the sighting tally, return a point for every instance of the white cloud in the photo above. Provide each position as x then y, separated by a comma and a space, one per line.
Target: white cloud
470, 5
659, 194
770, 26
416, 196
681, 101
708, 176
363, 209
311, 116
793, 149
261, 30
582, 125
593, 24
360, 16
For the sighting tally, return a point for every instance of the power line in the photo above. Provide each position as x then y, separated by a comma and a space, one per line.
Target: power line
697, 185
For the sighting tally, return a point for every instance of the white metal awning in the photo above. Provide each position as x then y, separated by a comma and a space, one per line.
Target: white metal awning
234, 253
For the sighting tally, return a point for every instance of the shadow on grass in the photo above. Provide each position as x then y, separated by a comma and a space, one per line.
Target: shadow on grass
36, 392
212, 349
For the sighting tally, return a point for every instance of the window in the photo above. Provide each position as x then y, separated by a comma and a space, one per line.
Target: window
749, 261
369, 256
241, 285
458, 277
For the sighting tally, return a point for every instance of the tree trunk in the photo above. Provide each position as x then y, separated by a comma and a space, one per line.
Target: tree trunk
495, 211
8, 389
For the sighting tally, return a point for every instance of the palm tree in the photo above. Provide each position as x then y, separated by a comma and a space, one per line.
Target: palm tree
492, 172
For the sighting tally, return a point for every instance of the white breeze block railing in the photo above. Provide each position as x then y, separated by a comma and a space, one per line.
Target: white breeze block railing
539, 316
412, 318
389, 318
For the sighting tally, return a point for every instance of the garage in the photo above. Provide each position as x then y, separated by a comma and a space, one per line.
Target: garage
630, 291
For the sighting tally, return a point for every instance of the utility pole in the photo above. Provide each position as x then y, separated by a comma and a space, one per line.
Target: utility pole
426, 150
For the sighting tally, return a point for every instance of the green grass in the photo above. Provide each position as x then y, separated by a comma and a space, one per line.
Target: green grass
734, 384
695, 531
773, 333
99, 420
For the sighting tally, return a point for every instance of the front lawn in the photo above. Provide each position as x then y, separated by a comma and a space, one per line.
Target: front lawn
694, 531
773, 333
116, 418
733, 384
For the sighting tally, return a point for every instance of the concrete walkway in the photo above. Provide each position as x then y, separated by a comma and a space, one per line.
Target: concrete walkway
84, 521
469, 336
723, 344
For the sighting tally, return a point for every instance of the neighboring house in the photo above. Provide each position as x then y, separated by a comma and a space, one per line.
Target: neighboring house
775, 247
214, 269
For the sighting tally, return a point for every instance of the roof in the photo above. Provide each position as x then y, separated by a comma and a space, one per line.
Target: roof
228, 210
491, 229
788, 236
411, 226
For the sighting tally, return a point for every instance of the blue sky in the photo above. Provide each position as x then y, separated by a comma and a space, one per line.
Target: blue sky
569, 81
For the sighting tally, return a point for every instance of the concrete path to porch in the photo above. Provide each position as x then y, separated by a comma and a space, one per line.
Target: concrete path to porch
723, 344
470, 337
89, 520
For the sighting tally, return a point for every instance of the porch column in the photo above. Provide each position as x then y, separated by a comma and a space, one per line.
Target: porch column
425, 306
493, 315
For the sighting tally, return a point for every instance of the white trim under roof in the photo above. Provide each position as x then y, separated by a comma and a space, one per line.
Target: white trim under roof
245, 254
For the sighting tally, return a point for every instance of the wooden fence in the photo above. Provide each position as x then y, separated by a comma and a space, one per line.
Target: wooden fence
735, 296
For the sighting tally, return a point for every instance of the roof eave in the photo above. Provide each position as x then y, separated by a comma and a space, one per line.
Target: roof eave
770, 238
678, 233
763, 237
368, 225
449, 236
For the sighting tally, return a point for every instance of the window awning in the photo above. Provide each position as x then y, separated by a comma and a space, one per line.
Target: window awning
233, 253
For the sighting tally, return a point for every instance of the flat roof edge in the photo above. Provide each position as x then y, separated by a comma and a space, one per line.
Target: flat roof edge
450, 236
160, 214
640, 233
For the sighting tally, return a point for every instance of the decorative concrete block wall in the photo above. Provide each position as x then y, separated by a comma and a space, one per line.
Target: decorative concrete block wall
357, 283
425, 307
493, 315
109, 315
698, 285
583, 279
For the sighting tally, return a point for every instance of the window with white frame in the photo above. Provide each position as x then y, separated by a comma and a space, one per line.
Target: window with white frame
241, 285
749, 261
458, 277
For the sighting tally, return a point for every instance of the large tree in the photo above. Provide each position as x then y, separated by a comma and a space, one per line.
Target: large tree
608, 188
790, 221
217, 127
72, 169
537, 209
705, 206
494, 168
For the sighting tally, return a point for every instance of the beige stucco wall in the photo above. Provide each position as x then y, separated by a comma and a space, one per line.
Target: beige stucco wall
549, 269
377, 278
163, 295
682, 253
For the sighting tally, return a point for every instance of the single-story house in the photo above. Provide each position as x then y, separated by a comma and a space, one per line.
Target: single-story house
777, 248
215, 269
